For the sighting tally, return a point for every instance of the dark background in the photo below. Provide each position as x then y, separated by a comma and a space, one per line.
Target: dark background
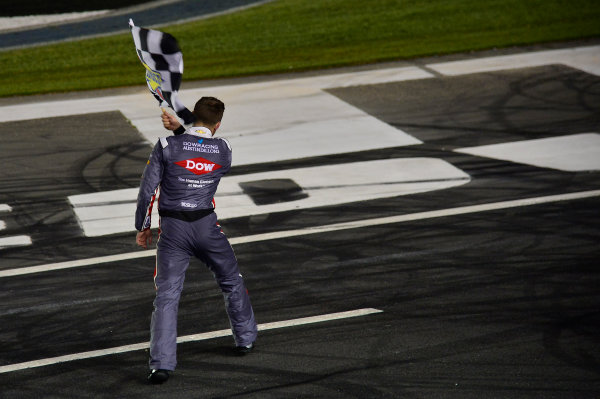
10, 8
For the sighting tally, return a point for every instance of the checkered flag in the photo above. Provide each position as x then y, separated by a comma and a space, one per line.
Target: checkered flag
161, 56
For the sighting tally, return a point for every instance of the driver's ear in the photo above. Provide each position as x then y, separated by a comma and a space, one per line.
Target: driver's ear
216, 127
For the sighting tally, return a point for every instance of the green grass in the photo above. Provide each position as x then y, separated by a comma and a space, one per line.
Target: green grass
293, 35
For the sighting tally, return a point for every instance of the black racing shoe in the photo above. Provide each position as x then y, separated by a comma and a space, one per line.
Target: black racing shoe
158, 376
243, 350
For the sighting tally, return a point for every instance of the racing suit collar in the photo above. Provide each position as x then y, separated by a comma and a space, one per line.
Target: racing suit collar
200, 131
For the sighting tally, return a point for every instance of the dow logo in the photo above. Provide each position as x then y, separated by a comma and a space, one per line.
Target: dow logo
198, 166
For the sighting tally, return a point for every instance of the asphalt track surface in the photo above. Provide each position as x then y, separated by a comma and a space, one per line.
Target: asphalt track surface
151, 14
501, 303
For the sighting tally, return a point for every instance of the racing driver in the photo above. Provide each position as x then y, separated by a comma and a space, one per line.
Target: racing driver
186, 168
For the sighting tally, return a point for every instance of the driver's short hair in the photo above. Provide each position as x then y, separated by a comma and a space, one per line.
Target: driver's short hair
209, 110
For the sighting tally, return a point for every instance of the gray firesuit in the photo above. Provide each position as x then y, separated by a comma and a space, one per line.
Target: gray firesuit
188, 168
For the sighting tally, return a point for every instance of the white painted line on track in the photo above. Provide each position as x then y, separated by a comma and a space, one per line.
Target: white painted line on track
15, 241
585, 58
34, 21
321, 229
419, 216
571, 153
11, 241
188, 338
4, 208
265, 121
77, 263
112, 212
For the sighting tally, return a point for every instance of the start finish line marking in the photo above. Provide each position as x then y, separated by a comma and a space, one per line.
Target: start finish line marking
319, 229
188, 338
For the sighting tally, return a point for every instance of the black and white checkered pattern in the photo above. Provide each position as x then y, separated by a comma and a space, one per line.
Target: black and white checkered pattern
160, 54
